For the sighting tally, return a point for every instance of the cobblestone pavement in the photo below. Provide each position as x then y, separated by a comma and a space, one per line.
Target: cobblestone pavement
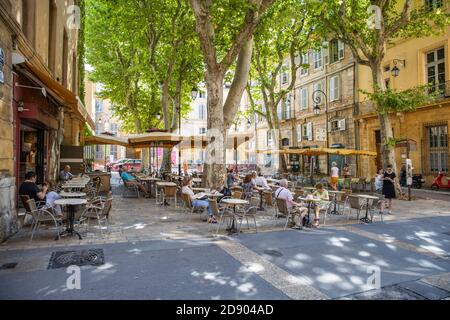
413, 237
134, 219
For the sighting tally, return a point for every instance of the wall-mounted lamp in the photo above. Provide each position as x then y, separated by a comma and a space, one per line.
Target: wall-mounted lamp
43, 91
396, 71
20, 107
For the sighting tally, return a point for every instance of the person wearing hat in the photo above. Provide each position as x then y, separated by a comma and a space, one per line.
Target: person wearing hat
334, 171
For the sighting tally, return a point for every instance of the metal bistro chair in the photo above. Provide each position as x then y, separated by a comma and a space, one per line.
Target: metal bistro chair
98, 209
355, 204
42, 216
375, 207
169, 192
190, 209
249, 213
129, 189
222, 213
24, 198
283, 209
236, 194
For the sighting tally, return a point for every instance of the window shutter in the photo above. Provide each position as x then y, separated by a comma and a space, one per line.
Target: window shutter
336, 87
342, 125
310, 131
279, 111
325, 56
329, 126
341, 48
299, 132
332, 89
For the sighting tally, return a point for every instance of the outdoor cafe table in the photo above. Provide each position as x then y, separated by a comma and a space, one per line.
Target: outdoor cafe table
261, 191
234, 203
367, 198
162, 185
311, 202
65, 194
200, 189
70, 203
148, 181
214, 194
335, 193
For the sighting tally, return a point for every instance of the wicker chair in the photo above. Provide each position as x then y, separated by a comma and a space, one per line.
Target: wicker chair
169, 192
283, 209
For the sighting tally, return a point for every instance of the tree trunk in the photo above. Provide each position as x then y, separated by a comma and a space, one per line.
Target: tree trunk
387, 153
214, 173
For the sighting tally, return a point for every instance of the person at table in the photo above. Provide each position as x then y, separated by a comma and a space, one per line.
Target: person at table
65, 175
187, 189
260, 181
128, 178
322, 194
30, 188
248, 186
298, 210
389, 180
334, 171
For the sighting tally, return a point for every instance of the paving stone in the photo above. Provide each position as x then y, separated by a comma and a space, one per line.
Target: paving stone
425, 290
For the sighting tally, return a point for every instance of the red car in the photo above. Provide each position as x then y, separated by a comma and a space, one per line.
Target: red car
133, 164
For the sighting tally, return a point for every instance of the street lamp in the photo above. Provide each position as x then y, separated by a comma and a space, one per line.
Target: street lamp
194, 93
317, 99
396, 71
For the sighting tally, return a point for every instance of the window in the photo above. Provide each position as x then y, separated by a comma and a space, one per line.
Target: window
285, 74
113, 127
336, 125
387, 83
336, 50
334, 88
113, 151
304, 70
52, 35
436, 70
267, 160
303, 98
318, 59
202, 95
286, 112
202, 131
299, 132
98, 128
387, 68
98, 154
98, 106
434, 4
269, 139
28, 20
65, 58
201, 112
307, 131
438, 148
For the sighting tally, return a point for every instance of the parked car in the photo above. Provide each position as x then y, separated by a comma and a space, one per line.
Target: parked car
115, 165
133, 164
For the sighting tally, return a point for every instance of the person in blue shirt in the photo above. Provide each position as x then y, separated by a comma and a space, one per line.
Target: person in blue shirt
130, 179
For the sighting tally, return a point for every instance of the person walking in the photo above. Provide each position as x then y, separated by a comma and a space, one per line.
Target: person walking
389, 180
334, 171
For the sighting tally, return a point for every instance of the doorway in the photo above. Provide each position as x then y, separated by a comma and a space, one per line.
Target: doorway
32, 153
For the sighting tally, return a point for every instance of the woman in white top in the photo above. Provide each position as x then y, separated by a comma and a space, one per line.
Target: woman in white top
379, 181
334, 175
187, 189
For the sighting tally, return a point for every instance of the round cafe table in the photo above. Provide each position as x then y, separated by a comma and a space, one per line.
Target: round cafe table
234, 203
311, 202
148, 181
367, 198
65, 194
70, 203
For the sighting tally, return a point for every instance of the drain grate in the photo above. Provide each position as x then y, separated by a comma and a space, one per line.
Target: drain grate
6, 266
273, 253
63, 259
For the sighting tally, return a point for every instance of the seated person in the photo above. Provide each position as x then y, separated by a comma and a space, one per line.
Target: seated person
130, 179
29, 188
247, 186
298, 209
322, 194
260, 180
65, 174
187, 189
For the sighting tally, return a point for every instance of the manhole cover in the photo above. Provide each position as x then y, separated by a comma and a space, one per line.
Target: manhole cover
63, 259
273, 253
11, 265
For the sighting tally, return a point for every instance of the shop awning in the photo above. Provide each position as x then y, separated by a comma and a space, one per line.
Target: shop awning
234, 140
321, 151
61, 94
106, 139
146, 140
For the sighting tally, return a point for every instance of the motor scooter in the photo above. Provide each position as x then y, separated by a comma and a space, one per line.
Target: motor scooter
417, 181
441, 182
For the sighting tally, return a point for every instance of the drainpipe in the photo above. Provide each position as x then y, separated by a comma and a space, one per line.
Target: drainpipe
356, 112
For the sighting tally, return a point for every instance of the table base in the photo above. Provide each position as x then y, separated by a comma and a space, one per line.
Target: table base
365, 220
